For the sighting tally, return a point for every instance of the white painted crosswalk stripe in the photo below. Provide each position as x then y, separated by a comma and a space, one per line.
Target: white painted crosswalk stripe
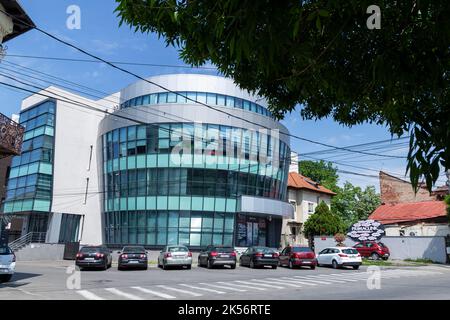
200, 288
242, 286
346, 278
259, 284
155, 293
323, 278
123, 294
300, 278
194, 294
223, 287
290, 280
88, 295
280, 282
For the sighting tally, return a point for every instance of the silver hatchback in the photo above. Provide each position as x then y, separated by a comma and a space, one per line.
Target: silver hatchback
175, 255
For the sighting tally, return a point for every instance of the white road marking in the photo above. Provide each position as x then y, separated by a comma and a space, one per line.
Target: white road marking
241, 285
88, 295
259, 284
194, 294
286, 279
223, 287
123, 294
302, 278
321, 278
280, 282
200, 288
156, 293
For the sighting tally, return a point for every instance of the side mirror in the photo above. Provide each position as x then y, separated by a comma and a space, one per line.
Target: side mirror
118, 252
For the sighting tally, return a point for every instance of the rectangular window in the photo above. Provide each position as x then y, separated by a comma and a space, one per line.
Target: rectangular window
162, 97
211, 99
171, 97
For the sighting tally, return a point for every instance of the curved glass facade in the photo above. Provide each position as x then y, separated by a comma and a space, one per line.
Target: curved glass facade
209, 98
181, 182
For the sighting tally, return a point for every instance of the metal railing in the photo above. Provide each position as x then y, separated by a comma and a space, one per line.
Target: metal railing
31, 237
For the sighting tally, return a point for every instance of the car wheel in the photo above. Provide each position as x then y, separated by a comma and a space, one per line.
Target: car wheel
199, 263
252, 264
189, 267
233, 266
375, 256
119, 268
5, 278
335, 264
105, 267
355, 267
313, 267
145, 267
164, 266
291, 265
274, 267
209, 264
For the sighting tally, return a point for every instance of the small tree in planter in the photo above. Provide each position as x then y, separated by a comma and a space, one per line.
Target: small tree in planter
340, 238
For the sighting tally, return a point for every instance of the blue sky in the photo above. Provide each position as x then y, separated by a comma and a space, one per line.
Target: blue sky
101, 35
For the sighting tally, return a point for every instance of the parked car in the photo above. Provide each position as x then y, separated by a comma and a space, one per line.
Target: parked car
7, 264
175, 255
373, 249
259, 257
293, 256
133, 257
94, 257
339, 257
217, 256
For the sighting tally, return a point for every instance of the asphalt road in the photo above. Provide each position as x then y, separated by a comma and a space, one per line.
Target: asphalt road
54, 281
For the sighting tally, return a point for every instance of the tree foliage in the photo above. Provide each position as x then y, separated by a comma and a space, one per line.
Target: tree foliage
322, 222
321, 55
321, 172
353, 204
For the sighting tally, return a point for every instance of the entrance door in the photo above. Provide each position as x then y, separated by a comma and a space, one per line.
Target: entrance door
252, 233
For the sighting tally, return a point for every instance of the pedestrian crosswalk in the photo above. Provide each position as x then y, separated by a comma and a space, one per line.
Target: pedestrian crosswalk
238, 286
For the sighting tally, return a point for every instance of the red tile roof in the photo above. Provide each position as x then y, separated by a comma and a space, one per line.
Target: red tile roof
298, 181
412, 211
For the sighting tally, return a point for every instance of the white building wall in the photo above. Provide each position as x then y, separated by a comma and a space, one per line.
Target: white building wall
419, 230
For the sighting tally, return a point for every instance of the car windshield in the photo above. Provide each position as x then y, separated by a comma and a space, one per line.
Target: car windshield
90, 249
134, 249
224, 249
264, 250
301, 249
381, 244
350, 251
5, 250
177, 249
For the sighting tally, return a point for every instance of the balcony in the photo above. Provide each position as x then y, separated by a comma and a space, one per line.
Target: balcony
11, 135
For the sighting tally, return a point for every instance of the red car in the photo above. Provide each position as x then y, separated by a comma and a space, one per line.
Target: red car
373, 249
293, 256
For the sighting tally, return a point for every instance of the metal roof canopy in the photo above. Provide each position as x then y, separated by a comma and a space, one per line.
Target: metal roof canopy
15, 9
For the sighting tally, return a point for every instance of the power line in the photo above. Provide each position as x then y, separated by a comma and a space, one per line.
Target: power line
178, 93
115, 62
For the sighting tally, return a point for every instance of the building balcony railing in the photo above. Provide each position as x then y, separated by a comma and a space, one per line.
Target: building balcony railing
11, 136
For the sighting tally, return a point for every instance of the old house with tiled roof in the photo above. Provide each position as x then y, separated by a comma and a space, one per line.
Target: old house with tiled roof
405, 213
304, 194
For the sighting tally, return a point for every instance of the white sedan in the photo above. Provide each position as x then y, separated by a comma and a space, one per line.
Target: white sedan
7, 264
338, 257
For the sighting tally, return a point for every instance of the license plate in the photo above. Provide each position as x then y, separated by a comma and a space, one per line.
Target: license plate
306, 262
89, 259
268, 256
225, 255
133, 261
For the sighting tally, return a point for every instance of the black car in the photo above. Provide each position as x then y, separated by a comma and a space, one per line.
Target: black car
217, 256
94, 257
133, 257
259, 257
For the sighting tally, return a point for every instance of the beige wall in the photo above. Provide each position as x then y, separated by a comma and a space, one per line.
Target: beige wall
302, 198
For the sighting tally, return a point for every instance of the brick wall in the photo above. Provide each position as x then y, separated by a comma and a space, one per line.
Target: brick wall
395, 190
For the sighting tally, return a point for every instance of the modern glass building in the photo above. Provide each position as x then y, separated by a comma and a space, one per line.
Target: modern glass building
161, 169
